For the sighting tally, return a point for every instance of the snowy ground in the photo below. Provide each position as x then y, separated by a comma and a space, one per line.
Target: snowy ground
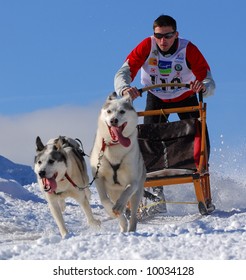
28, 232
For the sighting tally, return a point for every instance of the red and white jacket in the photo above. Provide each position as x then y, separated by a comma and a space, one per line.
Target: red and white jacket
186, 64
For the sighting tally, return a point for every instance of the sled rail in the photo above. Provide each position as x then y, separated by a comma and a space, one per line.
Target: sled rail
168, 111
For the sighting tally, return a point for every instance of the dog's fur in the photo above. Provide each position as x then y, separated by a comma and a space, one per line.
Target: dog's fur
121, 174
53, 162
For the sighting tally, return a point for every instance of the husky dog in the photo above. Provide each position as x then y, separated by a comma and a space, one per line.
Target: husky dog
61, 172
117, 164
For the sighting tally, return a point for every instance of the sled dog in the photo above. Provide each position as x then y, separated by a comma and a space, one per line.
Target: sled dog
117, 164
61, 172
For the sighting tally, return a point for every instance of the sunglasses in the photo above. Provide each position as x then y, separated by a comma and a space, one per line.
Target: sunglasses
168, 35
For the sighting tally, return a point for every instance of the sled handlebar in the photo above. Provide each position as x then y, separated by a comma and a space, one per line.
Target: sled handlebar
141, 90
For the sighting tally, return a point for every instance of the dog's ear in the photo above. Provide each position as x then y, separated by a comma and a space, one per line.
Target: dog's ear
39, 145
112, 96
59, 143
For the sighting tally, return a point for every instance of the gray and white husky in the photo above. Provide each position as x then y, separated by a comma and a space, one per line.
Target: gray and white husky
116, 162
61, 172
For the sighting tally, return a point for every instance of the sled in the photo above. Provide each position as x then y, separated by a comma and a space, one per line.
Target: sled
177, 152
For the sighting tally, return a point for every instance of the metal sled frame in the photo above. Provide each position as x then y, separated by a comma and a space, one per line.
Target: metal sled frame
200, 178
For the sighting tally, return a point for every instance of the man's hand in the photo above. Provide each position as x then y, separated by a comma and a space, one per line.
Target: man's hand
132, 91
197, 86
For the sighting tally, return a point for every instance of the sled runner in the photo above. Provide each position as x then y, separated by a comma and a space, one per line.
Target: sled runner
177, 152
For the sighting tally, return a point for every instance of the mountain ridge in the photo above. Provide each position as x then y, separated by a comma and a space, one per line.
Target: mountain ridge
23, 174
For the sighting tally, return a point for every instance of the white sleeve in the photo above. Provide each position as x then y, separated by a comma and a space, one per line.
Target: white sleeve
122, 78
210, 85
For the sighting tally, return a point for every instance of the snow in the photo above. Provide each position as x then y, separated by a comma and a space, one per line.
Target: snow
28, 232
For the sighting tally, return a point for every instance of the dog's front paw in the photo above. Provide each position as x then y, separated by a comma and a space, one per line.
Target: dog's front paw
95, 223
118, 209
116, 213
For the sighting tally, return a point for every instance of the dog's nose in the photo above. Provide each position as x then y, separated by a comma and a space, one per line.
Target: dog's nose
114, 121
42, 174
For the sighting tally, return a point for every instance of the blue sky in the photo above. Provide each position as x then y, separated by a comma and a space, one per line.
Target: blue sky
58, 59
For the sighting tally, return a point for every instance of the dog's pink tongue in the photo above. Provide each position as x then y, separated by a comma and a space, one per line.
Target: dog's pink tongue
50, 184
124, 141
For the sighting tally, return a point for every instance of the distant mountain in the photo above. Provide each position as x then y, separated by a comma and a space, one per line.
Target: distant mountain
23, 174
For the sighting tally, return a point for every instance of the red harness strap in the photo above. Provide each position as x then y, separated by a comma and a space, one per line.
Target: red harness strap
70, 180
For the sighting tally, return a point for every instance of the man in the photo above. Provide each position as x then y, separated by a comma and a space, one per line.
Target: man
166, 58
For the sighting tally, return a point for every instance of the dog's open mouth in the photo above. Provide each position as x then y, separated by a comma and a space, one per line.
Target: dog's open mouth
50, 184
117, 136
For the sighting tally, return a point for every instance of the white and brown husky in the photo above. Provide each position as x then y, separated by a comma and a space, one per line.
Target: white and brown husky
61, 172
116, 161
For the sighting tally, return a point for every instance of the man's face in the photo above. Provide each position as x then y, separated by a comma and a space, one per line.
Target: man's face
167, 40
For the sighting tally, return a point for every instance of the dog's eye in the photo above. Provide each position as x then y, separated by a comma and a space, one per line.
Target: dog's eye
39, 162
109, 111
51, 161
122, 112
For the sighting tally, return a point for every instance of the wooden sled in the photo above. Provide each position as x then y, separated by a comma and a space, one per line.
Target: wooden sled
159, 152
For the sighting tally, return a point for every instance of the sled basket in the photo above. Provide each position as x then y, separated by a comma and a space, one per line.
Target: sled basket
176, 153
170, 145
